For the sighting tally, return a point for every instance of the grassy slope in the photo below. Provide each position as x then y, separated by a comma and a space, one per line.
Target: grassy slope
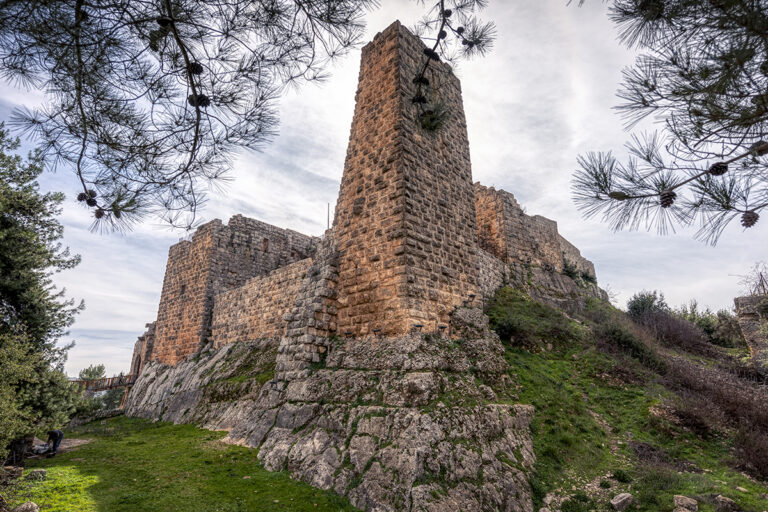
591, 406
134, 465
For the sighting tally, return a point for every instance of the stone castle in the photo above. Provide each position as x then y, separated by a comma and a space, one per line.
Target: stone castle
414, 248
412, 236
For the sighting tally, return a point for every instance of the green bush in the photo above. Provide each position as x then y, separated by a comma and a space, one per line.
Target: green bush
646, 302
579, 502
622, 476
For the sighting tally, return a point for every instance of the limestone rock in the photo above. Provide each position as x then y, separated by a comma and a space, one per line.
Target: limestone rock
622, 502
686, 503
36, 474
391, 423
724, 504
29, 506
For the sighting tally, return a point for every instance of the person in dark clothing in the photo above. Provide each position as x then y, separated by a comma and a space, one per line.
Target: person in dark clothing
54, 440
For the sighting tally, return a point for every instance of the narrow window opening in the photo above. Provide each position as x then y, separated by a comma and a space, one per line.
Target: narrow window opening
265, 245
183, 289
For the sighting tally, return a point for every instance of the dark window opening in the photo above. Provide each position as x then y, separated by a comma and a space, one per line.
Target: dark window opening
183, 289
265, 245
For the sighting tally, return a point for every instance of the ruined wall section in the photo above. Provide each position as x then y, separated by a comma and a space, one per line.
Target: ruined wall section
511, 235
405, 214
256, 309
218, 258
753, 327
142, 349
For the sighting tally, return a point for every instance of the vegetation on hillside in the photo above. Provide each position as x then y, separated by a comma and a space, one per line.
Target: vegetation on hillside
132, 465
620, 409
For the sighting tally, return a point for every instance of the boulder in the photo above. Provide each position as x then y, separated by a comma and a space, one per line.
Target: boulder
686, 503
29, 506
36, 474
724, 504
622, 502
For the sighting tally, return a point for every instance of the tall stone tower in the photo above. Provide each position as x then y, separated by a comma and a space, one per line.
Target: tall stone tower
405, 217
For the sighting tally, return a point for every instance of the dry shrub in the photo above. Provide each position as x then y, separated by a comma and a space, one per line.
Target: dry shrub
752, 451
673, 331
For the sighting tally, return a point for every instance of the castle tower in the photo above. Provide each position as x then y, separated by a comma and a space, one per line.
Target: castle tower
405, 217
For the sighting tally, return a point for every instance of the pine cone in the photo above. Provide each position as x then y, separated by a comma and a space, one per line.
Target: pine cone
99, 213
163, 21
718, 169
442, 34
200, 100
196, 68
90, 202
91, 192
749, 219
82, 196
667, 198
447, 13
432, 54
460, 30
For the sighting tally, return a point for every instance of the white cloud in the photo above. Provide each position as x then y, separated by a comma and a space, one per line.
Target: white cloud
541, 98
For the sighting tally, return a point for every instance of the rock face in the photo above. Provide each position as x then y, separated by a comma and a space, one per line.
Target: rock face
622, 502
754, 326
393, 423
684, 503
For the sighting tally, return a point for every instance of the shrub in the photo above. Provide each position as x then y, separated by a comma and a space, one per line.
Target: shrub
616, 335
752, 451
569, 269
579, 502
622, 476
587, 277
646, 302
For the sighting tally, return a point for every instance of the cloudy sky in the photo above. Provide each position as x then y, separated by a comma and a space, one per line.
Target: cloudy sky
541, 98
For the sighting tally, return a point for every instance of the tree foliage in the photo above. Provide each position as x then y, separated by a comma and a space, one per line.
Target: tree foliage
148, 99
702, 73
34, 392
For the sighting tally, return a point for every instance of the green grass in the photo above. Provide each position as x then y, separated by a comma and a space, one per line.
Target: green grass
591, 405
134, 465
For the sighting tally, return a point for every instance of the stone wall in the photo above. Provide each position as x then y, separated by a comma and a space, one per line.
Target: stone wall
257, 308
511, 235
405, 214
755, 329
142, 350
218, 258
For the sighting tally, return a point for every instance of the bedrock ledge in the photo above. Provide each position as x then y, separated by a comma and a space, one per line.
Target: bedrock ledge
420, 422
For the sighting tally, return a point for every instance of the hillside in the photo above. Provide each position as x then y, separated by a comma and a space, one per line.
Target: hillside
618, 409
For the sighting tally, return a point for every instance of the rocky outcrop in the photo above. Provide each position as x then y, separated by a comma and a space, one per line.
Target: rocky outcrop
754, 327
414, 422
545, 285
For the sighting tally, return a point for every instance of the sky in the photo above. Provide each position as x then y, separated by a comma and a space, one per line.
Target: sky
542, 97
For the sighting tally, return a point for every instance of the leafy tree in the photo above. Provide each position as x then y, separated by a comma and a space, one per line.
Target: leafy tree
703, 73
721, 328
645, 302
94, 371
34, 391
148, 99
